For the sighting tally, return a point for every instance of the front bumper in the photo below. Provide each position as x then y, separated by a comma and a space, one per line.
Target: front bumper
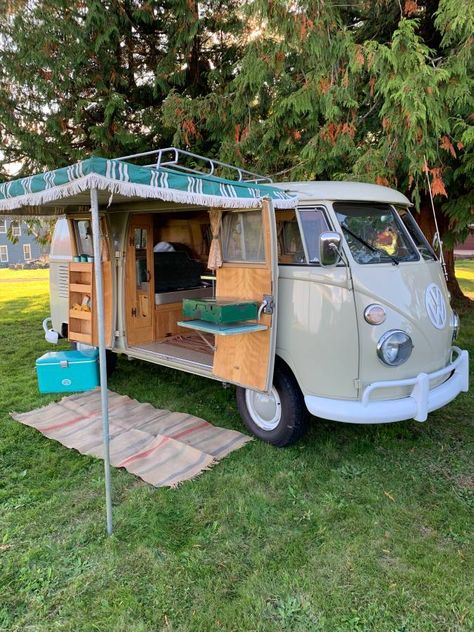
421, 401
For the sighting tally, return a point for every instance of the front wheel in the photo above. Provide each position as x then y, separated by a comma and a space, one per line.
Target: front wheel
279, 417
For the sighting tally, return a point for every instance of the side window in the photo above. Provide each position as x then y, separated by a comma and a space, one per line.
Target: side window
83, 230
313, 223
420, 240
83, 234
290, 245
242, 237
61, 244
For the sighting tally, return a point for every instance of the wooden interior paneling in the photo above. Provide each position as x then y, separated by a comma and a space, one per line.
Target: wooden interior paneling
243, 282
187, 231
138, 315
165, 320
244, 359
176, 230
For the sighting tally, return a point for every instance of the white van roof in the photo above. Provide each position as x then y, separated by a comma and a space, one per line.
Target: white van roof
344, 191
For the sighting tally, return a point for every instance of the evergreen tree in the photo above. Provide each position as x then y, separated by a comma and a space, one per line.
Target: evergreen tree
90, 77
377, 90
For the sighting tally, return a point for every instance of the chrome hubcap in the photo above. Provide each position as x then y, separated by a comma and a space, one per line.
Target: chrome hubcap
264, 409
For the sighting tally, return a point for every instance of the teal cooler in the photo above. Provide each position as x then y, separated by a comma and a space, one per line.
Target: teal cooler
68, 371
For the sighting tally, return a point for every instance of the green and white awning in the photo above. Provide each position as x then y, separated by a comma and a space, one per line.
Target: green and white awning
116, 177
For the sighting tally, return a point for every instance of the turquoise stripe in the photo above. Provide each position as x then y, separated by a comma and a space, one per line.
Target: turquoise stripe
126, 172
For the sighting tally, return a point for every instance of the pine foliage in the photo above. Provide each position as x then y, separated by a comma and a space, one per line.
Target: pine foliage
379, 91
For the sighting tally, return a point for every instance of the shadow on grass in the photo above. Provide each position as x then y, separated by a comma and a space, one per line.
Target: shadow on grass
24, 308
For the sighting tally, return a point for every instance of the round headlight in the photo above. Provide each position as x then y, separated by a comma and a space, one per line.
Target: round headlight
374, 314
394, 347
455, 324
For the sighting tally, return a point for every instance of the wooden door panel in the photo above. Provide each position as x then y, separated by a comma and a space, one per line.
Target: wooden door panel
248, 359
139, 297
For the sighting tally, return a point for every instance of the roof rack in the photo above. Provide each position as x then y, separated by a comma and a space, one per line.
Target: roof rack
173, 158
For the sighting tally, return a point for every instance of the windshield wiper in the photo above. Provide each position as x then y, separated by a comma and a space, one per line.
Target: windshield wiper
369, 246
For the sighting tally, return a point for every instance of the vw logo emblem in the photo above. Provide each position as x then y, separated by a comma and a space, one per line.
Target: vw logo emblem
435, 306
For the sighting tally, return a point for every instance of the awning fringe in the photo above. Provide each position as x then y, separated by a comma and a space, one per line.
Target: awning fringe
131, 189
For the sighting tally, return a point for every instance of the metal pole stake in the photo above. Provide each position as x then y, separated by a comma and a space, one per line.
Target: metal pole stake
102, 356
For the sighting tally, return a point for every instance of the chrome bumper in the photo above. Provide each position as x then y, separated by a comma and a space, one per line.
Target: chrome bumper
421, 401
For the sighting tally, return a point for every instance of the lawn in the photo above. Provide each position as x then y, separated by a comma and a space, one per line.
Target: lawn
354, 529
465, 274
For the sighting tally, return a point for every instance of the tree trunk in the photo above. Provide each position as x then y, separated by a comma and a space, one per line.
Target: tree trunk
427, 225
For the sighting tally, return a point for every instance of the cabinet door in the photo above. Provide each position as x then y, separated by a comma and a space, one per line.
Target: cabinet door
139, 286
249, 271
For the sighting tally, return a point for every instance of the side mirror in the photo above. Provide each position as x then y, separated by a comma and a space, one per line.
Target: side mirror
329, 248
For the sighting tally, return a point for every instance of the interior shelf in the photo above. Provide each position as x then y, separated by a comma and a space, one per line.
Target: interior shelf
79, 314
80, 287
80, 337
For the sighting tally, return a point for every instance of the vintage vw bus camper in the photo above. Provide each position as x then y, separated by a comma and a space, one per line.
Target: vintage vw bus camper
337, 307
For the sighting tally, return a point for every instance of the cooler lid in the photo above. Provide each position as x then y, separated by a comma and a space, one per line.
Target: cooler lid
55, 357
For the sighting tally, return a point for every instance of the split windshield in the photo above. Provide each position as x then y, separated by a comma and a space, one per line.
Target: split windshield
374, 233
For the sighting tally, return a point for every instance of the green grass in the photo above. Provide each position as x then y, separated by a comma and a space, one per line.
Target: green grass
354, 529
465, 275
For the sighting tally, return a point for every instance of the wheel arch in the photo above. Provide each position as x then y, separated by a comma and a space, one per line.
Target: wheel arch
286, 365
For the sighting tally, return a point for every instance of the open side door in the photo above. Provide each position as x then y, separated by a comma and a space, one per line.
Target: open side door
139, 299
248, 359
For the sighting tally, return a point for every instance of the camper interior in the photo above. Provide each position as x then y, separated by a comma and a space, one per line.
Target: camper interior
166, 263
224, 327
225, 330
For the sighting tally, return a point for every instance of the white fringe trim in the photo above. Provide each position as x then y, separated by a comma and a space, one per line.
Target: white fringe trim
130, 189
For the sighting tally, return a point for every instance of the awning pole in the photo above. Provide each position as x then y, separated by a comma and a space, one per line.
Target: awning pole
102, 356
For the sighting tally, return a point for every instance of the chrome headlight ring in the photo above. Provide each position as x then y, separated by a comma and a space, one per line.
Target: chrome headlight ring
455, 324
394, 347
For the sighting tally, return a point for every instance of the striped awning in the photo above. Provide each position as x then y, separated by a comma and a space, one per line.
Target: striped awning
65, 186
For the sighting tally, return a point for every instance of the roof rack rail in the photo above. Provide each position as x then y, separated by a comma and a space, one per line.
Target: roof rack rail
173, 158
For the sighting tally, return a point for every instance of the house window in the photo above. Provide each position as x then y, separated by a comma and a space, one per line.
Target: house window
3, 225
27, 252
3, 254
16, 229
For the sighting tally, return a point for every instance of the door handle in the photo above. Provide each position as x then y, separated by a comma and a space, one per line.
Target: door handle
148, 276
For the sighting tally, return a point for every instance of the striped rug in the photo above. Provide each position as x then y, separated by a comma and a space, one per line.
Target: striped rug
161, 447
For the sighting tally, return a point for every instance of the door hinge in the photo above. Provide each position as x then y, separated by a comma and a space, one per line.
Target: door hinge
134, 311
268, 304
357, 384
118, 333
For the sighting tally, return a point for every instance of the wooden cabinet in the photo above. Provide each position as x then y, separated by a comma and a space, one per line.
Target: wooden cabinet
166, 317
81, 303
83, 322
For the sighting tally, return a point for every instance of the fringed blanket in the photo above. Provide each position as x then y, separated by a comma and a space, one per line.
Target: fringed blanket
161, 447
